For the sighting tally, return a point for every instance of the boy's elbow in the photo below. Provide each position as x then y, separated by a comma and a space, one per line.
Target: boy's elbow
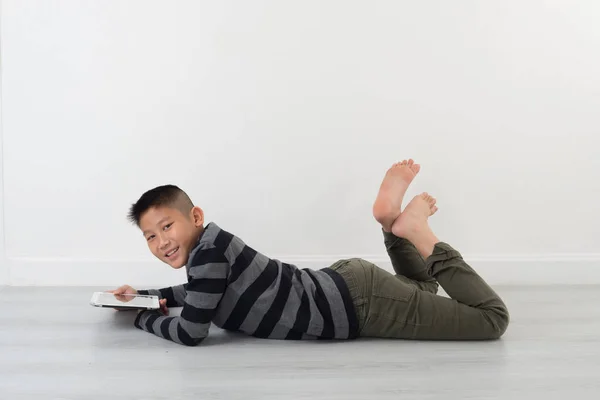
188, 339
192, 342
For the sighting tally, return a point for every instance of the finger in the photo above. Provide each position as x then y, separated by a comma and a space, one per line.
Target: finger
122, 297
124, 289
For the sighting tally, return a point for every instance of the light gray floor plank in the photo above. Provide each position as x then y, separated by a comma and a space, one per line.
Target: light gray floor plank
53, 345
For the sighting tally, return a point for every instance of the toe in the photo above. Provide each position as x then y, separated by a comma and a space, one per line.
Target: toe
411, 162
416, 168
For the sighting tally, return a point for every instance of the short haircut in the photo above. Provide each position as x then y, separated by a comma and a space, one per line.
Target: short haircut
160, 196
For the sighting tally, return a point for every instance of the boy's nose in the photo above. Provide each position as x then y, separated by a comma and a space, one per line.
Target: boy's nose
164, 242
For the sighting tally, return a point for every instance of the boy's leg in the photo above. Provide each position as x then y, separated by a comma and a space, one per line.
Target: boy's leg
398, 310
406, 260
408, 263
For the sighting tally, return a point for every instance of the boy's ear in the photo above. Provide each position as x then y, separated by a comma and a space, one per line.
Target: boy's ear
197, 216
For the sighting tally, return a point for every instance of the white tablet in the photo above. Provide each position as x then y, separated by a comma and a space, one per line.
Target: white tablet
125, 301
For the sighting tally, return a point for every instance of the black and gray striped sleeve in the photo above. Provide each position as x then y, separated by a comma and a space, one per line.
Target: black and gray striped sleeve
207, 283
175, 295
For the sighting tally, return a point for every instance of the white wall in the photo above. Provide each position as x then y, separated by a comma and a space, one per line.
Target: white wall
280, 118
4, 278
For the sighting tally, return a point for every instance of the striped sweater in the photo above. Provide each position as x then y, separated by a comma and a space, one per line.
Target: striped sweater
237, 288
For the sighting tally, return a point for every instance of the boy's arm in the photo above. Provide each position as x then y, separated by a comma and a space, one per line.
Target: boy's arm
175, 295
208, 281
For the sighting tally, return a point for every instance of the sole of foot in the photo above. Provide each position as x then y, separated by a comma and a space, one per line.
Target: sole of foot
387, 206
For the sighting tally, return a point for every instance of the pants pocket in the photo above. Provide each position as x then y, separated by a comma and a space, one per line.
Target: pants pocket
389, 306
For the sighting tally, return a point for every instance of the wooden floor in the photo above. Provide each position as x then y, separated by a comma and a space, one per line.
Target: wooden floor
54, 345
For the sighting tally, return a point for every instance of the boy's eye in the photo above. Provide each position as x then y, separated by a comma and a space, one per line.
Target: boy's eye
149, 238
167, 226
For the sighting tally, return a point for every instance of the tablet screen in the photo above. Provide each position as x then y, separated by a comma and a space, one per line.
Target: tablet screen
124, 300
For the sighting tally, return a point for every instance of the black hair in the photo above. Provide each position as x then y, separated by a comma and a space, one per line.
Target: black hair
166, 195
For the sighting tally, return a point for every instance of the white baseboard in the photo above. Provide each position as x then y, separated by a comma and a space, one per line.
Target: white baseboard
571, 269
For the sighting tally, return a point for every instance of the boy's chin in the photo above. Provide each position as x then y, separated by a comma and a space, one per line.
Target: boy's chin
176, 265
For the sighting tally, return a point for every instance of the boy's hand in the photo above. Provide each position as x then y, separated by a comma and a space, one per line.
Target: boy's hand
125, 289
163, 306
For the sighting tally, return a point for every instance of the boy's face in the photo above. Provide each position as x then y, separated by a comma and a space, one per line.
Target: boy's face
170, 234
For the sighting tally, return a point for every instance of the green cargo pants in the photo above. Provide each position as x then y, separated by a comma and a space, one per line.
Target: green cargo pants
406, 305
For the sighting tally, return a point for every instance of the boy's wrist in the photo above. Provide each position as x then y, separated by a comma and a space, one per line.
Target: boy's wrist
136, 323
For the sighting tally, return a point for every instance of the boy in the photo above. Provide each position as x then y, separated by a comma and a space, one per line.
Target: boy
237, 288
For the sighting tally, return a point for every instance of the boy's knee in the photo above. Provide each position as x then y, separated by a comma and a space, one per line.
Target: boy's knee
500, 320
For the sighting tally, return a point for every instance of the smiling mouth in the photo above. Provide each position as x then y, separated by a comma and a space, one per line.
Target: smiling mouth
172, 252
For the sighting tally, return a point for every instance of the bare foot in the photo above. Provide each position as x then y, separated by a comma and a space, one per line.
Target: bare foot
413, 224
391, 192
